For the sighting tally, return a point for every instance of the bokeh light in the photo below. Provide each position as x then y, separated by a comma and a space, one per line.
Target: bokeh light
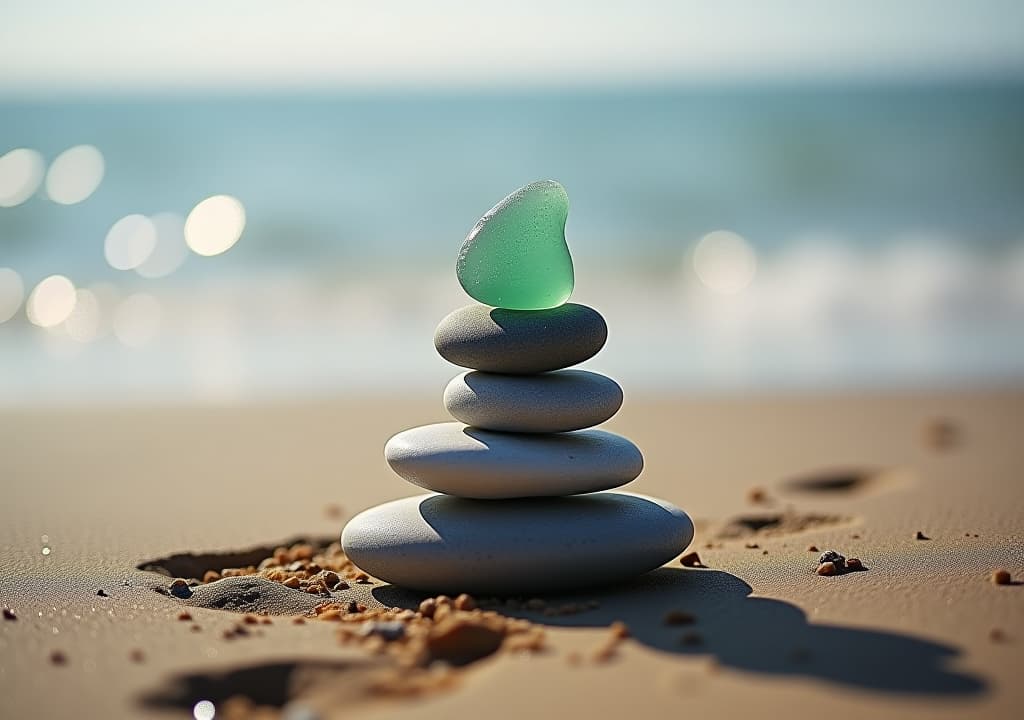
130, 242
21, 171
75, 174
170, 250
51, 301
84, 321
204, 710
137, 320
724, 262
214, 225
12, 292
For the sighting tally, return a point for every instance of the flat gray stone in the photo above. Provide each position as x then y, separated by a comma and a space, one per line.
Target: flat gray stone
437, 543
468, 462
520, 341
547, 403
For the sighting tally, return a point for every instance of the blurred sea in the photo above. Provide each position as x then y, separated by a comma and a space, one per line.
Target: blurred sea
887, 222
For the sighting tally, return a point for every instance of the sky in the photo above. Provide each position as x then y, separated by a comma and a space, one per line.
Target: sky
70, 45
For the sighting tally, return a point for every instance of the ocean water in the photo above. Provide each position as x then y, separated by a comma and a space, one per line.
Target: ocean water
882, 236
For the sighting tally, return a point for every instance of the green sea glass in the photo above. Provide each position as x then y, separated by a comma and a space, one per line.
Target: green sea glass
516, 257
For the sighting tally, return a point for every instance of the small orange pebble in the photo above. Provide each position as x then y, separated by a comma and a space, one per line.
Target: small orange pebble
137, 656
250, 620
996, 635
353, 607
211, 576
619, 630
826, 568
1001, 577
443, 600
57, 657
196, 628
691, 559
330, 615
299, 621
921, 536
757, 495
427, 608
292, 582
302, 551
465, 602
678, 617
812, 548
854, 564
238, 630
266, 621
184, 616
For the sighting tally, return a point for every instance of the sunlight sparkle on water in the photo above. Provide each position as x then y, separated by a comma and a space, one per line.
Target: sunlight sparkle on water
12, 292
724, 262
51, 301
204, 710
130, 242
75, 174
21, 171
214, 225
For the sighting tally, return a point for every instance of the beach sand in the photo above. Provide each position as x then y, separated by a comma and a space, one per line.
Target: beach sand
88, 495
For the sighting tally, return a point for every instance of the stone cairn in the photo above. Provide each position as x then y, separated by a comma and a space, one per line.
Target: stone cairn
519, 502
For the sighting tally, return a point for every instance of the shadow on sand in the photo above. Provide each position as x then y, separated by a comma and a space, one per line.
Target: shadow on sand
267, 684
758, 635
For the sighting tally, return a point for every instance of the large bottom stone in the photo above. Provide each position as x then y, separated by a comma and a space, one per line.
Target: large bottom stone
438, 543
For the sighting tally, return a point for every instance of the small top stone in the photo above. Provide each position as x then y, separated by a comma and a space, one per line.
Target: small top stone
516, 257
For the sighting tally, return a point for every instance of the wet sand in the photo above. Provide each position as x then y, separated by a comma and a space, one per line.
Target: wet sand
923, 632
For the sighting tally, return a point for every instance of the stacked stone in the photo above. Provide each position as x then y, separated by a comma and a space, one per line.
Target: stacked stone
519, 503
